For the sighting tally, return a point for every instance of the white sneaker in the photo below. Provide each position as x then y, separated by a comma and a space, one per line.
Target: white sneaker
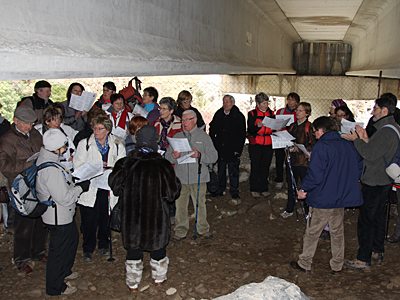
285, 214
279, 186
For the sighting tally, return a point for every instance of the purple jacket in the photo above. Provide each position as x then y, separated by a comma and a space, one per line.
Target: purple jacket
154, 114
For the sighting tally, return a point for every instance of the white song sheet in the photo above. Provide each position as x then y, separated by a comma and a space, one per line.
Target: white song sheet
284, 117
140, 110
186, 159
347, 125
278, 142
118, 131
88, 171
179, 144
101, 182
275, 124
302, 148
284, 135
83, 102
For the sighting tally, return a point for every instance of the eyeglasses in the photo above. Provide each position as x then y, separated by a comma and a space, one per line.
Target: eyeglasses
163, 108
98, 128
376, 108
146, 95
187, 120
341, 115
187, 101
107, 90
299, 110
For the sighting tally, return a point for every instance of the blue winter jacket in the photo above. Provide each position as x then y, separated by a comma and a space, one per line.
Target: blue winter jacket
333, 174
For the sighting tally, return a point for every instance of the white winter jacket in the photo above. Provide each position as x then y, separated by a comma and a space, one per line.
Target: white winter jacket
87, 151
57, 183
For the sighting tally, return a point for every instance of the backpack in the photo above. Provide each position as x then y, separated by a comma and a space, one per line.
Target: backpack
131, 95
393, 168
23, 196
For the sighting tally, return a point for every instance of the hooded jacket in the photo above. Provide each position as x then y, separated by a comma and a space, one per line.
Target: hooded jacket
56, 182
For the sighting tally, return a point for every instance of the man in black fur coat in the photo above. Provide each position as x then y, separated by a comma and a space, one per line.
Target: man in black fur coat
145, 182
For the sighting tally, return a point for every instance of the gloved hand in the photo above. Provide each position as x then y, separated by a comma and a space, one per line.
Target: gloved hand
84, 185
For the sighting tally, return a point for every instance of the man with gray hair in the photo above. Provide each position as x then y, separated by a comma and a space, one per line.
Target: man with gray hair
39, 100
192, 182
228, 133
16, 146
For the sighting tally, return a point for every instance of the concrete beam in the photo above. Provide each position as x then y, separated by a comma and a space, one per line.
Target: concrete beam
87, 38
374, 36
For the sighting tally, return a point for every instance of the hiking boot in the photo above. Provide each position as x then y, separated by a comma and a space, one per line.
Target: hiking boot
393, 239
285, 214
296, 266
378, 257
103, 251
73, 276
265, 194
279, 186
358, 264
69, 290
87, 256
255, 194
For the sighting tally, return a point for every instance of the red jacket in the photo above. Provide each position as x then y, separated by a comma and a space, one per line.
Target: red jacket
285, 111
259, 135
174, 128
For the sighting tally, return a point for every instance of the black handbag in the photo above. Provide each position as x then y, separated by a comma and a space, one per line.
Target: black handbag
213, 184
116, 216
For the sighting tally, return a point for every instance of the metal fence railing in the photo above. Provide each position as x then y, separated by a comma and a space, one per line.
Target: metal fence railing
208, 91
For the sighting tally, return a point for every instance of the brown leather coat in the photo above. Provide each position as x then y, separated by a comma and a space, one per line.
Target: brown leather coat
15, 149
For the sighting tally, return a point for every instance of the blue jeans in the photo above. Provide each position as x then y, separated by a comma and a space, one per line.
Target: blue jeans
372, 221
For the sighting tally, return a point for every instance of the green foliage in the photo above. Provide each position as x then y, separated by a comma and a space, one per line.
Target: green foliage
58, 92
10, 93
199, 99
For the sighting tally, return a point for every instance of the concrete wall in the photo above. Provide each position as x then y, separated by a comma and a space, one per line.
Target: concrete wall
88, 38
375, 39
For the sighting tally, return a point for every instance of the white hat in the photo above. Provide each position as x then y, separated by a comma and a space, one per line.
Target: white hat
54, 139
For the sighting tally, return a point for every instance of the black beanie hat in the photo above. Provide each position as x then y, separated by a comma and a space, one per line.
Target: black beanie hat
147, 136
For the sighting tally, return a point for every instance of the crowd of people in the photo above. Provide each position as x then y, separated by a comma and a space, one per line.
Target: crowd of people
152, 182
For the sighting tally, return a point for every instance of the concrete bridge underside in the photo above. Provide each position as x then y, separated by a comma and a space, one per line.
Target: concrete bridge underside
88, 38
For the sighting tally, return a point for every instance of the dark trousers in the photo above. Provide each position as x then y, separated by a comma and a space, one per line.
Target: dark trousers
298, 172
260, 156
138, 254
372, 221
93, 217
233, 177
29, 239
279, 161
62, 249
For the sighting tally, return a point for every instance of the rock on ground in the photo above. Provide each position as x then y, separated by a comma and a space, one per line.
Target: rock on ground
272, 288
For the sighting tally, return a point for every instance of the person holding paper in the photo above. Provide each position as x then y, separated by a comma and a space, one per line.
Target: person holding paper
331, 184
72, 117
144, 194
56, 183
104, 101
150, 96
204, 152
118, 114
108, 149
184, 102
302, 131
87, 131
167, 124
293, 100
343, 112
260, 147
52, 118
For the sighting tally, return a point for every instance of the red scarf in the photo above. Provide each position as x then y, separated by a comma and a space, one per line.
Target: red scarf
122, 119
